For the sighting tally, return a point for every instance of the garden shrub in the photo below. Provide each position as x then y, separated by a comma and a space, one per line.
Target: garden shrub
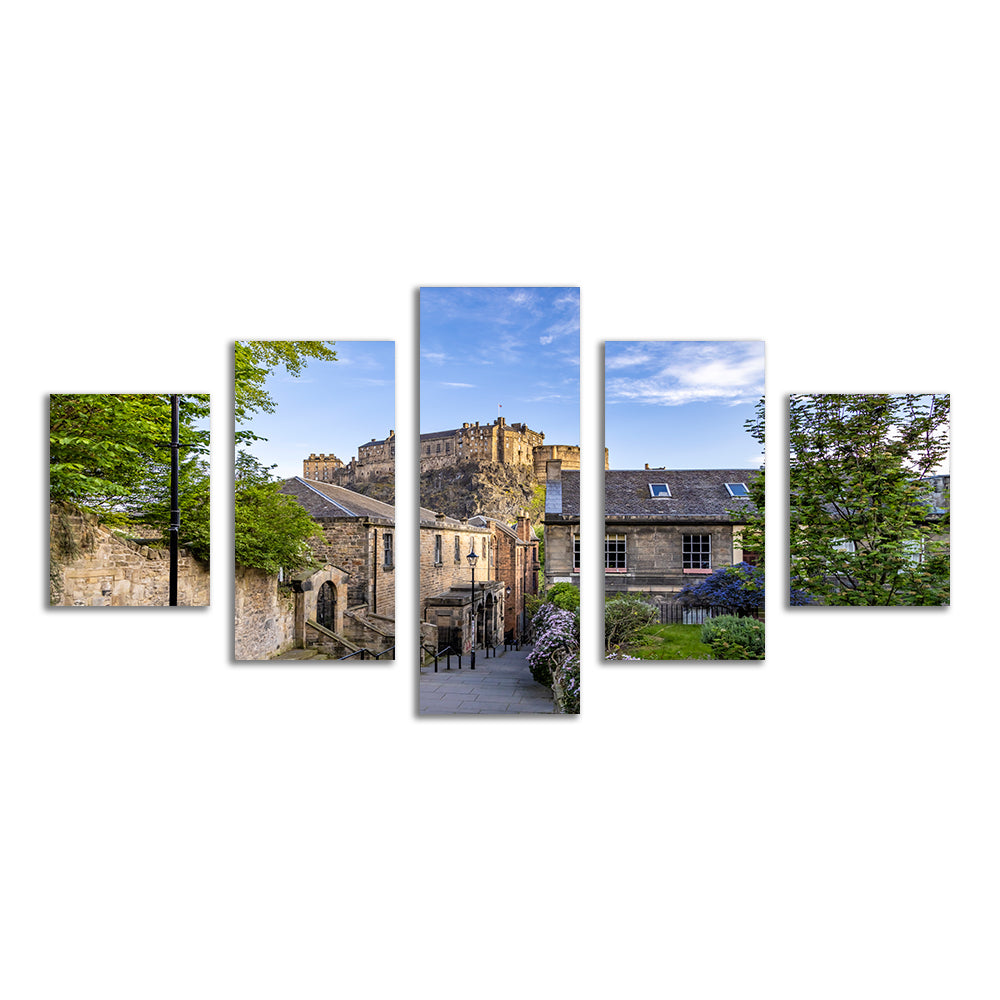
734, 638
624, 618
565, 596
566, 681
556, 632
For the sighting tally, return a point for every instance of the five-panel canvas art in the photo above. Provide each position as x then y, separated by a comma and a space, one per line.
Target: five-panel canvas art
501, 461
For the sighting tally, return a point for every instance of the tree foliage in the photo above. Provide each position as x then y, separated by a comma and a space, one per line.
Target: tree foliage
254, 360
864, 527
751, 512
272, 529
110, 454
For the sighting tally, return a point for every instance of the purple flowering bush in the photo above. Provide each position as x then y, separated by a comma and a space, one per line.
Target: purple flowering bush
740, 588
555, 659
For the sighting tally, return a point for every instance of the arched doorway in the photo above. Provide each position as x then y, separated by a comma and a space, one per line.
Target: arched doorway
326, 606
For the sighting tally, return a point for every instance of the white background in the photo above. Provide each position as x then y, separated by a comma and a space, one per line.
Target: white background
177, 176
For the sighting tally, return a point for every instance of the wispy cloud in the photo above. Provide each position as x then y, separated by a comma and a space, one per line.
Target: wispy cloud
672, 373
458, 385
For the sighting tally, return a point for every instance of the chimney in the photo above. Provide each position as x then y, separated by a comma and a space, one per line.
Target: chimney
553, 487
524, 527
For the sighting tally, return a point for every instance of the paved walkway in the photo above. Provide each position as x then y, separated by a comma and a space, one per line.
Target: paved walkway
500, 685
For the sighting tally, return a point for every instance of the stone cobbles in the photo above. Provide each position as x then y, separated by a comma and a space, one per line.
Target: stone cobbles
500, 685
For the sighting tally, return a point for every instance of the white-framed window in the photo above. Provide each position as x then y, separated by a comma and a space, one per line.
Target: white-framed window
696, 552
659, 491
614, 554
738, 490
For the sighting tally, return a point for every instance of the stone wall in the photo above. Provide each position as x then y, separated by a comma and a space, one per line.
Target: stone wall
93, 566
559, 560
265, 615
654, 556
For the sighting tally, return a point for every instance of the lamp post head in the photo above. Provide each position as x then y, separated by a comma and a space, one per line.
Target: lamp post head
473, 558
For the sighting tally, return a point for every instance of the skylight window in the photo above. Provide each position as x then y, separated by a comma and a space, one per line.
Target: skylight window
659, 490
738, 489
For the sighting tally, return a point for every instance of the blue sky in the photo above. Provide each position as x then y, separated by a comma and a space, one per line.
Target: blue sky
519, 347
333, 406
682, 403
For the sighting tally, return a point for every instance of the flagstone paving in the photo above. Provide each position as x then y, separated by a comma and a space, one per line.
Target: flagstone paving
500, 685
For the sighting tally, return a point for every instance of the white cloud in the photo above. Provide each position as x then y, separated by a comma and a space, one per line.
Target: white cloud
677, 372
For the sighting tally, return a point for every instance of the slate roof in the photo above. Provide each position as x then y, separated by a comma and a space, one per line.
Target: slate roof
694, 493
326, 500
432, 518
484, 521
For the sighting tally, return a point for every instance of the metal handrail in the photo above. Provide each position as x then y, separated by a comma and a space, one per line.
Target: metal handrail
374, 655
447, 652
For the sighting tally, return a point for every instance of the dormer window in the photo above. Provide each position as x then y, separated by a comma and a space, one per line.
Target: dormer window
661, 490
738, 489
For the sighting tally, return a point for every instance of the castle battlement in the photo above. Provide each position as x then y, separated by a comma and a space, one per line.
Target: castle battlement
499, 442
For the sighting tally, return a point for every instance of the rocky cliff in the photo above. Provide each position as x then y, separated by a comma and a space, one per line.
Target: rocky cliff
501, 491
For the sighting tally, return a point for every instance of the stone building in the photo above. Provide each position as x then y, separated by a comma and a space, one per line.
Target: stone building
356, 599
568, 454
498, 442
322, 468
514, 562
376, 460
450, 617
663, 529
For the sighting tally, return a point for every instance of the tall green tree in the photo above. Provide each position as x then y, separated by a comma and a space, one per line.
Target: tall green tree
752, 514
109, 454
864, 527
272, 529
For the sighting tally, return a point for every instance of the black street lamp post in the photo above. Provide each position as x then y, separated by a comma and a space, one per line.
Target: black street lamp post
473, 559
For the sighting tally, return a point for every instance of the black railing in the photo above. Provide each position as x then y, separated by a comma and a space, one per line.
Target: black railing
366, 653
679, 614
447, 653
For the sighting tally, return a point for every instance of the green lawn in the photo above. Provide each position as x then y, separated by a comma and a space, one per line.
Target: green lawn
672, 642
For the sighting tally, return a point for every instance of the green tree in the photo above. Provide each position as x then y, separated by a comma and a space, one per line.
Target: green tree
864, 527
272, 529
109, 454
752, 513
